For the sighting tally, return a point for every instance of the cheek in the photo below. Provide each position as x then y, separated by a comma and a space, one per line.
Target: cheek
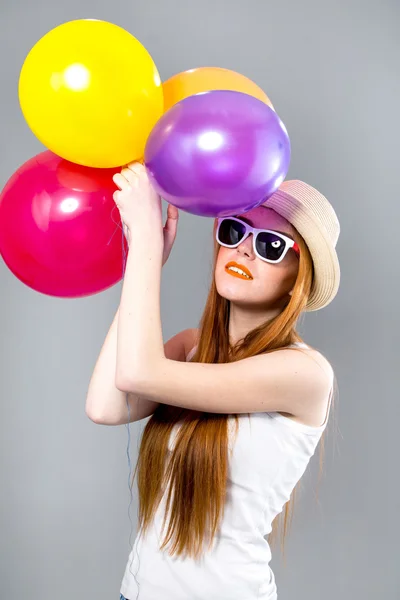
289, 276
223, 256
220, 259
278, 278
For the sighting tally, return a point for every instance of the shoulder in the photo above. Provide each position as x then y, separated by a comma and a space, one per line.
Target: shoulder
320, 361
306, 366
310, 359
180, 344
315, 378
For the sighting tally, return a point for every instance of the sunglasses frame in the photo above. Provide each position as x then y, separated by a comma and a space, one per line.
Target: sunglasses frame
249, 229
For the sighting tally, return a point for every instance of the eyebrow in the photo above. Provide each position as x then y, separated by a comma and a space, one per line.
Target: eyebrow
277, 230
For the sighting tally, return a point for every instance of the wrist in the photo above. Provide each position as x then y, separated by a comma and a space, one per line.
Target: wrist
146, 237
147, 249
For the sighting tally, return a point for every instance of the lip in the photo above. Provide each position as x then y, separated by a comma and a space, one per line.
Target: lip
239, 266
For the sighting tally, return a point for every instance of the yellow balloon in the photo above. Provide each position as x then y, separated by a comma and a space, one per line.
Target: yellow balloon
91, 93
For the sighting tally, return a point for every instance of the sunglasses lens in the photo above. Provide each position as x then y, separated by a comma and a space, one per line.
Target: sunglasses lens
270, 245
231, 232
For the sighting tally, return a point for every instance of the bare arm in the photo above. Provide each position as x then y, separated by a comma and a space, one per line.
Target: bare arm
105, 403
286, 380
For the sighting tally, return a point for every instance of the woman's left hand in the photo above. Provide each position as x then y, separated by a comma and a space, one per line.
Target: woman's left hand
139, 204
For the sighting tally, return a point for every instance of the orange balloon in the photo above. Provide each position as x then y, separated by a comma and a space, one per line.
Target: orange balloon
204, 79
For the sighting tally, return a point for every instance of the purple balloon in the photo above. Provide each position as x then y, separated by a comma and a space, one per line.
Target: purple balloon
218, 153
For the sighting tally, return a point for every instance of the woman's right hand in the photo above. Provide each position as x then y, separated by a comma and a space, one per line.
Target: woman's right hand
170, 229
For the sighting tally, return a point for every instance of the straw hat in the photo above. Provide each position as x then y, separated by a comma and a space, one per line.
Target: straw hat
316, 221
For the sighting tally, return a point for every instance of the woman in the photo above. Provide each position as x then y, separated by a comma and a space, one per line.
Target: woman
238, 406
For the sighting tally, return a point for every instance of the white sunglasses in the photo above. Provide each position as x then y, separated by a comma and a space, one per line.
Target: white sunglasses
270, 246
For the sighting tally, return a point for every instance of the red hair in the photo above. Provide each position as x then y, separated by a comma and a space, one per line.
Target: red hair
197, 469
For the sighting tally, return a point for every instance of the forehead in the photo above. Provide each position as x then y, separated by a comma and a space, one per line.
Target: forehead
266, 218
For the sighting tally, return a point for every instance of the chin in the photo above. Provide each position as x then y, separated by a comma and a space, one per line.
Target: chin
230, 295
233, 289
242, 292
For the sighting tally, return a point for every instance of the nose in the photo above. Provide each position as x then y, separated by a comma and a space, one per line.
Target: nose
245, 248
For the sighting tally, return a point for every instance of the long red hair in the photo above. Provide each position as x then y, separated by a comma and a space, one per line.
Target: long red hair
196, 471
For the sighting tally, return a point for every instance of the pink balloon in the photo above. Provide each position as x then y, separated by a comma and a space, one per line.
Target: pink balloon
60, 230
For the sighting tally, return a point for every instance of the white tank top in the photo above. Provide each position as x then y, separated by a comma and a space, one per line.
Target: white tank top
270, 453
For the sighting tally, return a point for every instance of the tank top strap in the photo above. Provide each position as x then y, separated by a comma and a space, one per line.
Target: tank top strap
191, 353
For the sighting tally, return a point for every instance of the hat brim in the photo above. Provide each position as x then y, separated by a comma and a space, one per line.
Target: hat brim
326, 279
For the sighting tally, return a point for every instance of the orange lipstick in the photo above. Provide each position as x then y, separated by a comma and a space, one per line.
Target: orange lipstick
236, 265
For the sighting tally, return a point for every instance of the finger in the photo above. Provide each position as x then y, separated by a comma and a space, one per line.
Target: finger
130, 176
171, 222
117, 197
171, 225
136, 167
121, 181
172, 212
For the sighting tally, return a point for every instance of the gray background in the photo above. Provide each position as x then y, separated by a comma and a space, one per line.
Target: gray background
332, 71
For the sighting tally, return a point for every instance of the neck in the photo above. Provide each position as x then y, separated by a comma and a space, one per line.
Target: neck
242, 320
